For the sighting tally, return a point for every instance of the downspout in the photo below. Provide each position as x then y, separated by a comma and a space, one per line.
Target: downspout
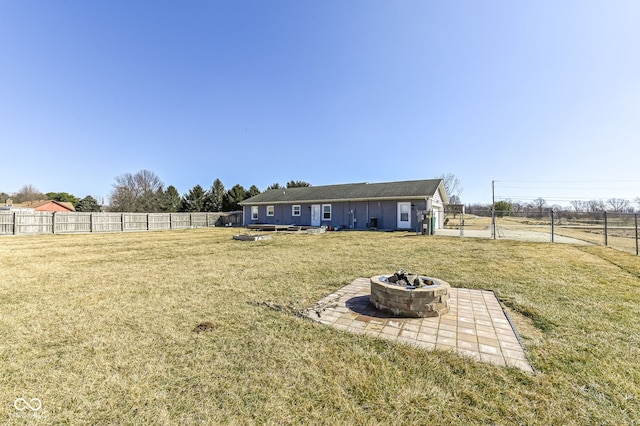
368, 219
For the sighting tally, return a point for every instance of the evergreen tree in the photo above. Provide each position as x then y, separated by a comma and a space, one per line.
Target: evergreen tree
503, 208
215, 197
252, 192
194, 200
170, 200
88, 204
273, 186
63, 197
234, 196
297, 184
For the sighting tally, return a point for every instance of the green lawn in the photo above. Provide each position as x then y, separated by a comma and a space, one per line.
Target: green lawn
100, 328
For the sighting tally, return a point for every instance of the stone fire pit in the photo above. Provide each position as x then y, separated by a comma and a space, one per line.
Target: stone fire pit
409, 295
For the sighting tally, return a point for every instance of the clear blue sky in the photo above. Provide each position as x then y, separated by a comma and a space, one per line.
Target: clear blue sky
257, 92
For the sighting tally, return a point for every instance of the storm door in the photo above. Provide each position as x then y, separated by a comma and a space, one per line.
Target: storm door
404, 215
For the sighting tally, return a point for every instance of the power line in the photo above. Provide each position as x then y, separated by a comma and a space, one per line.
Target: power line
567, 190
568, 180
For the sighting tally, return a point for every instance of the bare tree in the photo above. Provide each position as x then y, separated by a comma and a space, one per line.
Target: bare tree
578, 205
136, 193
28, 193
539, 205
618, 204
452, 187
595, 207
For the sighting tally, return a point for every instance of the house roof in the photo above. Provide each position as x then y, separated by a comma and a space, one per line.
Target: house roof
40, 203
412, 189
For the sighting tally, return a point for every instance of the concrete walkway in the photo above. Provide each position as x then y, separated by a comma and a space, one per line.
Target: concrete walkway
476, 326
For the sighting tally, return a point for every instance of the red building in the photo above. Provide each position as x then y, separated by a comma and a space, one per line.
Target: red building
47, 206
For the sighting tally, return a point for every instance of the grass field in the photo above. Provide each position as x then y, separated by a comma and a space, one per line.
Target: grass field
100, 328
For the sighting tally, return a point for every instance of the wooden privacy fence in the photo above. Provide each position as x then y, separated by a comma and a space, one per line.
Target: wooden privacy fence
30, 223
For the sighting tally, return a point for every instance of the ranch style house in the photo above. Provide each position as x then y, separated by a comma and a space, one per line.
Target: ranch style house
416, 205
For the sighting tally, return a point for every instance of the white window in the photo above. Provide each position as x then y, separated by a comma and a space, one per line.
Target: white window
270, 210
295, 210
326, 212
254, 212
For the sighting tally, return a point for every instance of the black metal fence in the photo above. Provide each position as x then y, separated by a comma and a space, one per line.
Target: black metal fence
613, 229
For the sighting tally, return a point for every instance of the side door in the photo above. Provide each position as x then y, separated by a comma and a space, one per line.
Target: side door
404, 215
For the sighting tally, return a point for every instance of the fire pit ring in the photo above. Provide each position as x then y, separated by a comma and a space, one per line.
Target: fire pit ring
430, 298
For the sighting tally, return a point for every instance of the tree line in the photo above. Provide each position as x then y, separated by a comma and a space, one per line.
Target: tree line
144, 192
539, 207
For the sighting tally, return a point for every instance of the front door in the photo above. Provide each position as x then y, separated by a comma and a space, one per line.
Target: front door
315, 215
404, 215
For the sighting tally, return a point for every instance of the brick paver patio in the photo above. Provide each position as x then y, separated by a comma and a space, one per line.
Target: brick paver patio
476, 326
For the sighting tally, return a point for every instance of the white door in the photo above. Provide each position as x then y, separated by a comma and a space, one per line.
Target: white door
315, 215
404, 215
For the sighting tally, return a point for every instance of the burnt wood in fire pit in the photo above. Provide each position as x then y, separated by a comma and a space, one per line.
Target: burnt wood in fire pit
402, 278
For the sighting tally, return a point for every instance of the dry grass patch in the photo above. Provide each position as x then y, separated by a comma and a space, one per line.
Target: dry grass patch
101, 329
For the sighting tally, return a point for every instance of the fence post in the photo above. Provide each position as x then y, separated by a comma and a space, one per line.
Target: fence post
493, 222
53, 223
636, 222
493, 209
15, 223
91, 222
606, 237
552, 224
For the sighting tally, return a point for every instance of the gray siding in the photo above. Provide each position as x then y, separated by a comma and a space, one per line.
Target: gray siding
351, 215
